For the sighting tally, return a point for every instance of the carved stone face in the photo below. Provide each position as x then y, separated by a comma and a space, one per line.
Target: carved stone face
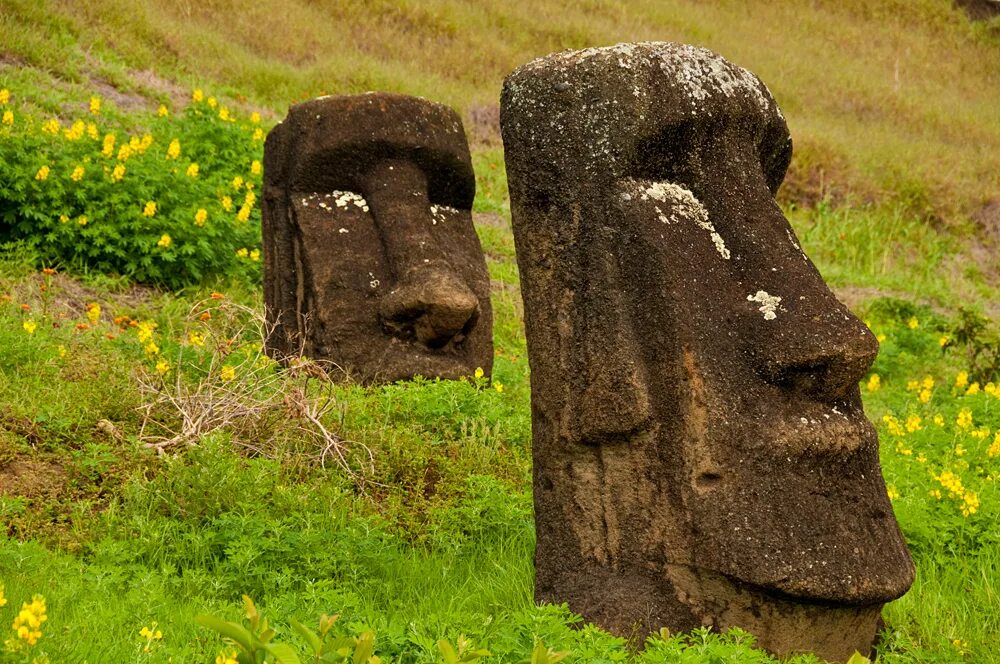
701, 453
371, 261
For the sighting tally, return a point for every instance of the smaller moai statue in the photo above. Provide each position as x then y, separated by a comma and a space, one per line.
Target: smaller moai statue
701, 455
371, 261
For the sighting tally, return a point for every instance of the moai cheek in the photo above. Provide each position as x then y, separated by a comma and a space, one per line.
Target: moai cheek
701, 453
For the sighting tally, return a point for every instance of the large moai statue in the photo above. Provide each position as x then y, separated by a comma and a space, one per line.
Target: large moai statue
371, 262
701, 456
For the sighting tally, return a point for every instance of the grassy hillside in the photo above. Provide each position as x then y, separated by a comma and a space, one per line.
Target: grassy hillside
154, 466
898, 97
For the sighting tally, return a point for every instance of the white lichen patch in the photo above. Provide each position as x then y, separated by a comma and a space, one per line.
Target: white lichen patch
344, 198
441, 212
768, 303
684, 205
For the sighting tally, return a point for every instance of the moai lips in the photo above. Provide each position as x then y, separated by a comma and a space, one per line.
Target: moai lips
701, 455
371, 261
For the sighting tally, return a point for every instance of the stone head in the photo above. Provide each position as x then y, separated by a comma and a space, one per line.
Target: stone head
371, 261
701, 453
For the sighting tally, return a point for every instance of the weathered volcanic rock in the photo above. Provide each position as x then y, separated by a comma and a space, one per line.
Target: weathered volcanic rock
371, 262
701, 455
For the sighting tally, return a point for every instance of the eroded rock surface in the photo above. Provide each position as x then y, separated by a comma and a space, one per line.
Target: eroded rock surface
701, 455
371, 262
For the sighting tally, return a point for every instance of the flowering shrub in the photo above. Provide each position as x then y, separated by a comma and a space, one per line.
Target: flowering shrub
940, 435
170, 204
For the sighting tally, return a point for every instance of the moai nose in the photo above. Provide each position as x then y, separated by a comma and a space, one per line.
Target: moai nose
431, 305
828, 360
428, 301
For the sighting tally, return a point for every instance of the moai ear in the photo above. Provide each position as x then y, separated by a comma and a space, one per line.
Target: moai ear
611, 402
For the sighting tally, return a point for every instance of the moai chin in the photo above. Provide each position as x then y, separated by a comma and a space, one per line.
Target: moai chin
371, 261
701, 456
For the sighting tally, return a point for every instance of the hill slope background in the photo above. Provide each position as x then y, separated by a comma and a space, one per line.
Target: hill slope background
895, 98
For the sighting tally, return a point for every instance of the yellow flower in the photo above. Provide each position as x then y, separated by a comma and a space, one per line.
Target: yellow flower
148, 633
973, 390
994, 449
991, 389
162, 366
224, 658
479, 373
82, 220
237, 183
192, 171
244, 214
8, 118
224, 114
250, 198
164, 241
943, 341
227, 203
927, 382
498, 386
962, 379
964, 419
255, 255
4, 99
151, 348
3, 600
258, 134
255, 167
162, 111
255, 117
912, 385
980, 434
200, 216
108, 147
935, 493
197, 95
63, 219
893, 425
196, 339
92, 131
93, 312
922, 458
913, 423
125, 152
144, 330
174, 149
52, 127
970, 503
29, 326
212, 103
29, 620
150, 209
228, 373
913, 323
42, 174
881, 338
75, 132
95, 105
146, 141
118, 173
874, 383
243, 252
77, 174
892, 493
925, 395
959, 450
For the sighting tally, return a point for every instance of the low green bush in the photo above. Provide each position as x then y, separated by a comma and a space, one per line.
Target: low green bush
170, 201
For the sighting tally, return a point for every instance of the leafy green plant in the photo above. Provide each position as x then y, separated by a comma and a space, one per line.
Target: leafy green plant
171, 204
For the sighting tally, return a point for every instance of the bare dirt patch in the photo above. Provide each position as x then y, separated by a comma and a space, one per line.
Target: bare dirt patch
32, 478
